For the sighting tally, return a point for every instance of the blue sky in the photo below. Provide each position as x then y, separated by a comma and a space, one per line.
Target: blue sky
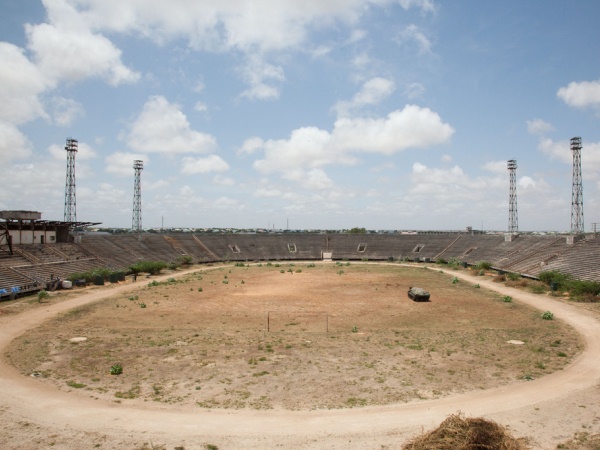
324, 114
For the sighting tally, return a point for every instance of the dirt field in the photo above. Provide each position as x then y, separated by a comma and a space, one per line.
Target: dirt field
300, 337
338, 336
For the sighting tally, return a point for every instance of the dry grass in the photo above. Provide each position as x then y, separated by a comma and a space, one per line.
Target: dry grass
460, 433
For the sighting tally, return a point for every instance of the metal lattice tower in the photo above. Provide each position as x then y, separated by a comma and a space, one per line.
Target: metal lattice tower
70, 203
136, 225
513, 218
577, 196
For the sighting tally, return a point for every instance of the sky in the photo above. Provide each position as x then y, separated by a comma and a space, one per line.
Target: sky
302, 114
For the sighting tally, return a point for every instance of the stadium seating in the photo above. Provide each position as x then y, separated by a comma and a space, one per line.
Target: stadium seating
33, 265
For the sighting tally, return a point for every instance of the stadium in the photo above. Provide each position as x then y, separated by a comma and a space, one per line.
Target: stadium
187, 320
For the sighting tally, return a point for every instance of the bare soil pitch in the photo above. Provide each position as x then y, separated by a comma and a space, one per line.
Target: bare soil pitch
295, 337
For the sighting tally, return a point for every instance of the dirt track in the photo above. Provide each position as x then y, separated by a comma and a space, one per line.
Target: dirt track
549, 410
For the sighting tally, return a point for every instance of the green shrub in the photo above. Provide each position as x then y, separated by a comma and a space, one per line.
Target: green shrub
142, 305
42, 295
582, 288
454, 263
116, 369
483, 265
547, 315
454, 280
507, 299
561, 280
185, 260
513, 276
151, 267
477, 286
355, 329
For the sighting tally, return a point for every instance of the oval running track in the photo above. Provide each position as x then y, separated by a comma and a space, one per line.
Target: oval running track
25, 399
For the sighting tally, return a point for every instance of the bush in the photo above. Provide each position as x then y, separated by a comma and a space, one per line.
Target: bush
454, 263
42, 295
561, 280
513, 276
507, 299
483, 265
454, 280
151, 267
583, 289
186, 260
117, 369
547, 315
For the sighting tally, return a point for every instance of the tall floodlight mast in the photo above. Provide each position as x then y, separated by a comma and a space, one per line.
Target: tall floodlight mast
70, 203
513, 219
136, 225
577, 196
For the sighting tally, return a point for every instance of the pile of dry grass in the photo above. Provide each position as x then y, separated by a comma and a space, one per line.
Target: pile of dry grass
460, 433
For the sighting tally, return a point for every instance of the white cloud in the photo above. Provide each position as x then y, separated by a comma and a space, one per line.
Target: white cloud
211, 163
121, 164
261, 76
556, 150
411, 127
498, 167
161, 127
412, 33
200, 107
305, 148
313, 179
75, 53
361, 60
20, 86
357, 35
414, 90
321, 51
313, 148
526, 183
451, 189
13, 144
223, 181
561, 151
264, 26
373, 92
580, 94
65, 110
538, 127
424, 5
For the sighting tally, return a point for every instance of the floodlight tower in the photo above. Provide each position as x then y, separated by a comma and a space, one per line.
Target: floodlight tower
513, 219
577, 195
70, 204
138, 165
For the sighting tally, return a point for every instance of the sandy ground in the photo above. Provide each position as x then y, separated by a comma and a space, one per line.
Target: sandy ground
548, 411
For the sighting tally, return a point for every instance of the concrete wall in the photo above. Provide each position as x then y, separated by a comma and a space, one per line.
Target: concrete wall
32, 237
